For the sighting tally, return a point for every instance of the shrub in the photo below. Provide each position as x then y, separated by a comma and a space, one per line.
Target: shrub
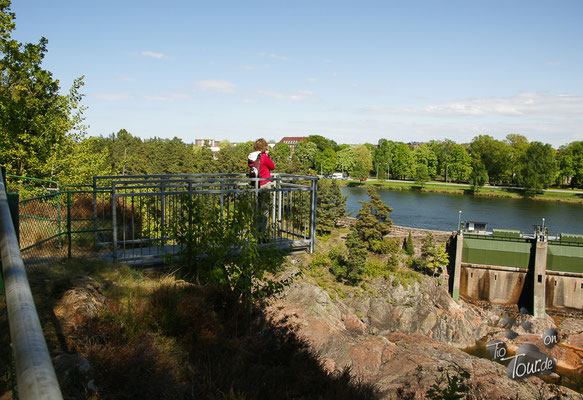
385, 246
409, 246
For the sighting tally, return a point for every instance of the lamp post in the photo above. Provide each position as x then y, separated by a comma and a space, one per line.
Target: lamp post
459, 220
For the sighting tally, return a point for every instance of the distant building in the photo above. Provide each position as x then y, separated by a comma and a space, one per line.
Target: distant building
414, 145
207, 142
291, 141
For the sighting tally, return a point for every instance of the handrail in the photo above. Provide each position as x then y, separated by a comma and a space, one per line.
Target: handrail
35, 375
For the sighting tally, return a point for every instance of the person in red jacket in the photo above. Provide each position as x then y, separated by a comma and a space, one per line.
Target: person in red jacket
266, 165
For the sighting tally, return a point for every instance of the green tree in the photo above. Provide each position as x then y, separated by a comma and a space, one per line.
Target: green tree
421, 175
363, 164
425, 156
306, 152
373, 220
479, 175
518, 145
357, 256
570, 164
433, 258
403, 162
326, 161
442, 150
321, 142
495, 155
539, 168
346, 159
34, 117
281, 153
459, 164
331, 205
409, 245
383, 157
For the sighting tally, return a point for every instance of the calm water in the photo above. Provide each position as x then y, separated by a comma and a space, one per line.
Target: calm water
440, 211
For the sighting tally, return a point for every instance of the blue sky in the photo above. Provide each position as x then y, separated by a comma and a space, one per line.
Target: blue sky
352, 71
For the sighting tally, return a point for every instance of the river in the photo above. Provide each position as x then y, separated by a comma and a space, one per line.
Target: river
441, 211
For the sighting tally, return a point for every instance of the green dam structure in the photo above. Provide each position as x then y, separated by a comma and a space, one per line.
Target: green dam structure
535, 271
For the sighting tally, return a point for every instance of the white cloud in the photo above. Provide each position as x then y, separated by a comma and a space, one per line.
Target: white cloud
216, 85
248, 67
312, 80
526, 104
271, 55
152, 54
298, 95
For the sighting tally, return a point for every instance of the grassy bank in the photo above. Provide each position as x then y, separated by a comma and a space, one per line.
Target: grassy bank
565, 195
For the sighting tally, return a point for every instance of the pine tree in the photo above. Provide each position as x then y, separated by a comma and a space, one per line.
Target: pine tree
331, 205
357, 255
409, 245
373, 219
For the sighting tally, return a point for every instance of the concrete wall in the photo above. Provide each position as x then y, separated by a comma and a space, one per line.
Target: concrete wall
489, 283
564, 291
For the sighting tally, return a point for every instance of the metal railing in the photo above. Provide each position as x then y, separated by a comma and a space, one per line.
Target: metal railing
126, 218
143, 207
35, 374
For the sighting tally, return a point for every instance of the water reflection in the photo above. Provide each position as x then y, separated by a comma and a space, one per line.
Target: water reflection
440, 211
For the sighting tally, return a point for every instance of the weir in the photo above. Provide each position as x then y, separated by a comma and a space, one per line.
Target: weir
536, 271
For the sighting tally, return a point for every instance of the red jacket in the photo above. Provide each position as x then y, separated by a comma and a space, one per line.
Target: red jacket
266, 165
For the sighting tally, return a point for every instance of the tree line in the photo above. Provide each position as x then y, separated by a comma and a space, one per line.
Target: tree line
42, 135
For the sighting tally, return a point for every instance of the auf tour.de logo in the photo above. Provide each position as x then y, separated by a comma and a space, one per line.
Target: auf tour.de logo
528, 360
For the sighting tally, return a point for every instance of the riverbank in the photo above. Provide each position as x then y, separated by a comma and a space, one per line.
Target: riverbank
561, 195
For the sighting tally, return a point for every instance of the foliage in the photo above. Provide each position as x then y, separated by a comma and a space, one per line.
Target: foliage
357, 256
424, 155
326, 161
459, 164
34, 117
383, 157
373, 220
570, 163
494, 155
385, 246
363, 163
331, 205
409, 246
346, 159
479, 175
433, 259
306, 152
339, 257
402, 163
322, 143
421, 175
457, 386
224, 249
281, 153
538, 169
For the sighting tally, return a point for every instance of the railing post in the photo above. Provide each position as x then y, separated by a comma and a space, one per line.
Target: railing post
96, 240
69, 236
162, 218
314, 215
114, 221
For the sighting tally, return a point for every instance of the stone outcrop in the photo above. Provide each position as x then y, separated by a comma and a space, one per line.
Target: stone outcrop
403, 343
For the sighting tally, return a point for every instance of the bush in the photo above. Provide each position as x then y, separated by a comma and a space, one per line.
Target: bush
385, 246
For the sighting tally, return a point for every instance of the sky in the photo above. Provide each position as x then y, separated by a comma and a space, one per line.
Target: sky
351, 71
